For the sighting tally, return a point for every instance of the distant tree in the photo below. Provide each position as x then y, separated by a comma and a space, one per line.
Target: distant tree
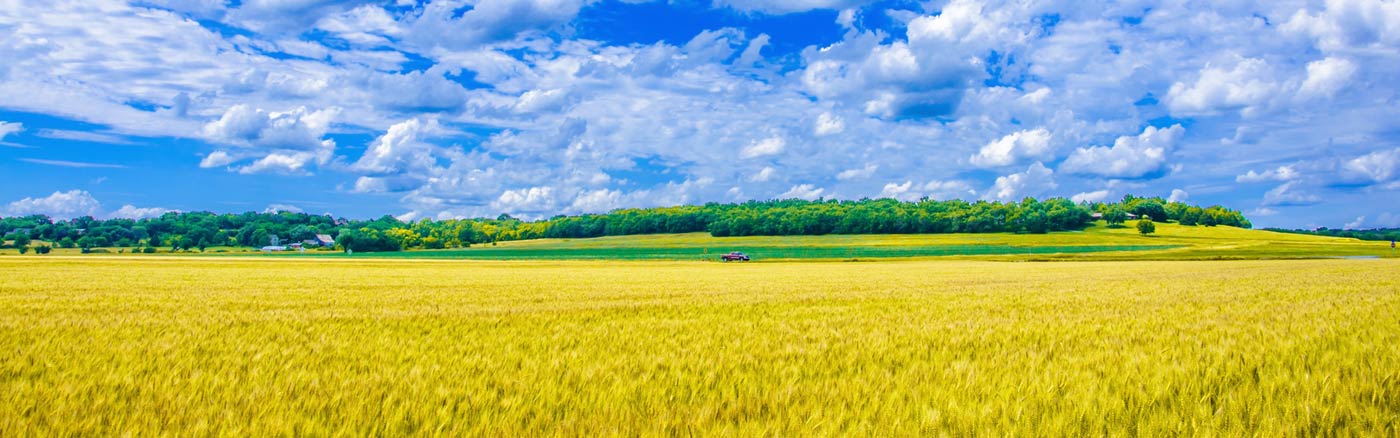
22, 249
1145, 226
42, 249
1115, 216
1150, 209
66, 242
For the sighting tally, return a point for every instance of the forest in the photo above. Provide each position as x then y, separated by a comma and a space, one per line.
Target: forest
1390, 234
185, 231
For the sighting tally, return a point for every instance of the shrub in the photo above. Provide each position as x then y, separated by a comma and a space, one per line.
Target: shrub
1145, 226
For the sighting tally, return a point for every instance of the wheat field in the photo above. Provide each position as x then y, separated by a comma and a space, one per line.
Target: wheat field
234, 347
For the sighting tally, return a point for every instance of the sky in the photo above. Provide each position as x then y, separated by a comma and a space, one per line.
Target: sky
1285, 110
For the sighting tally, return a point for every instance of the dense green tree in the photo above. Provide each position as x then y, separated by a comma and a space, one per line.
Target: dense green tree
1145, 227
1115, 216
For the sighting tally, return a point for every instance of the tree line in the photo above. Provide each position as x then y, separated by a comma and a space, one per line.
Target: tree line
180, 231
1383, 234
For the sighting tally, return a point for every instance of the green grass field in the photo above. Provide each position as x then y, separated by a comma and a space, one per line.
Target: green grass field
1171, 242
140, 346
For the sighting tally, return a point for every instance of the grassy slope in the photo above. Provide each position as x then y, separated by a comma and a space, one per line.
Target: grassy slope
1171, 242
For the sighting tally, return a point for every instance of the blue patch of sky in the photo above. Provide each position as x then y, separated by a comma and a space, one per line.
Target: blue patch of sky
1147, 100
415, 63
467, 79
1167, 121
645, 172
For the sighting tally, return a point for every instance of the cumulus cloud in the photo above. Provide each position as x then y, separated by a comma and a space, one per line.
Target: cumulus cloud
763, 175
1179, 195
1130, 157
1094, 196
128, 211
278, 208
1375, 167
59, 205
1290, 194
1014, 148
861, 173
765, 147
1326, 77
1281, 173
1035, 181
527, 200
936, 189
278, 142
74, 203
827, 124
401, 149
519, 102
1349, 24
1243, 86
1355, 224
802, 191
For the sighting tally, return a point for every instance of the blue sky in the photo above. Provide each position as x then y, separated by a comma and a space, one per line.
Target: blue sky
1286, 110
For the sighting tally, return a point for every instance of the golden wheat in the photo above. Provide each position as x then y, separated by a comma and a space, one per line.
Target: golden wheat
114, 346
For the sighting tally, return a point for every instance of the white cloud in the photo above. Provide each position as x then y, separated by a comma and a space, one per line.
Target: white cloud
1326, 77
278, 142
897, 191
59, 205
1349, 24
1130, 157
944, 190
86, 136
247, 126
860, 173
1360, 220
1375, 167
802, 191
765, 147
1290, 194
1094, 196
936, 189
1014, 148
597, 201
1035, 181
403, 148
764, 174
827, 124
1281, 173
1247, 84
129, 211
919, 99
72, 164
7, 128
527, 200
1179, 195
278, 208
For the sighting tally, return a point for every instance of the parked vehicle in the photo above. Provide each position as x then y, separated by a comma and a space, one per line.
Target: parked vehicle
735, 256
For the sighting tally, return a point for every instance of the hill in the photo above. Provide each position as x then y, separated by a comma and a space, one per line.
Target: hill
1097, 242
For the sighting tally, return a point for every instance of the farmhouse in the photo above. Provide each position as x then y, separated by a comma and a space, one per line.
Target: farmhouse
324, 240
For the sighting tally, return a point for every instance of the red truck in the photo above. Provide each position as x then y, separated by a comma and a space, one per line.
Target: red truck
735, 256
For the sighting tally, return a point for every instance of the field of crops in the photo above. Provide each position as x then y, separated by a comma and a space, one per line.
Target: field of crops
1171, 242
108, 346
